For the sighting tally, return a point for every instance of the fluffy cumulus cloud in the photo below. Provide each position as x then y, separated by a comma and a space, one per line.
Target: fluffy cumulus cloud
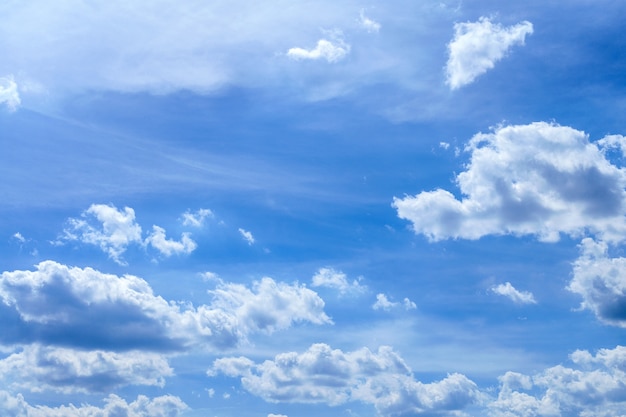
112, 231
518, 297
170, 247
39, 368
9, 95
330, 50
325, 375
114, 406
383, 303
538, 179
601, 281
331, 278
593, 387
477, 46
58, 305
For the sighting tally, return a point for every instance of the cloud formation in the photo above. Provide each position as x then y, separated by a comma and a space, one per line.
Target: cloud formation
331, 51
39, 368
247, 236
367, 23
477, 46
113, 230
58, 306
331, 278
196, 219
9, 94
164, 406
331, 376
518, 297
170, 247
383, 303
538, 179
593, 387
601, 282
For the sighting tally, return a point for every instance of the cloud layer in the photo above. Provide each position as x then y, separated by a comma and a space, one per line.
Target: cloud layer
539, 179
331, 376
58, 305
477, 46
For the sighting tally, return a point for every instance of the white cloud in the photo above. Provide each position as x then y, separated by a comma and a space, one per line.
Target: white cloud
38, 368
477, 46
329, 277
509, 291
601, 281
57, 305
444, 145
594, 387
331, 376
164, 406
115, 231
276, 415
169, 247
247, 236
331, 51
367, 23
538, 179
19, 237
9, 94
196, 219
383, 303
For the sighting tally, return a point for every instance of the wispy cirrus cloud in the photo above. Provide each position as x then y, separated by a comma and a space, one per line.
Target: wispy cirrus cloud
477, 46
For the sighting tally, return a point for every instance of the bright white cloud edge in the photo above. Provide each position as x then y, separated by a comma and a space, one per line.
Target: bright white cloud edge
477, 46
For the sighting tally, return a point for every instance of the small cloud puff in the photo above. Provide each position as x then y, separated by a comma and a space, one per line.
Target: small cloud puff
477, 46
331, 278
247, 236
518, 297
331, 51
367, 23
9, 94
168, 247
196, 219
383, 303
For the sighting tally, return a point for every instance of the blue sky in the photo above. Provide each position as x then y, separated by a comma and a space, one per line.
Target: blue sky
300, 208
